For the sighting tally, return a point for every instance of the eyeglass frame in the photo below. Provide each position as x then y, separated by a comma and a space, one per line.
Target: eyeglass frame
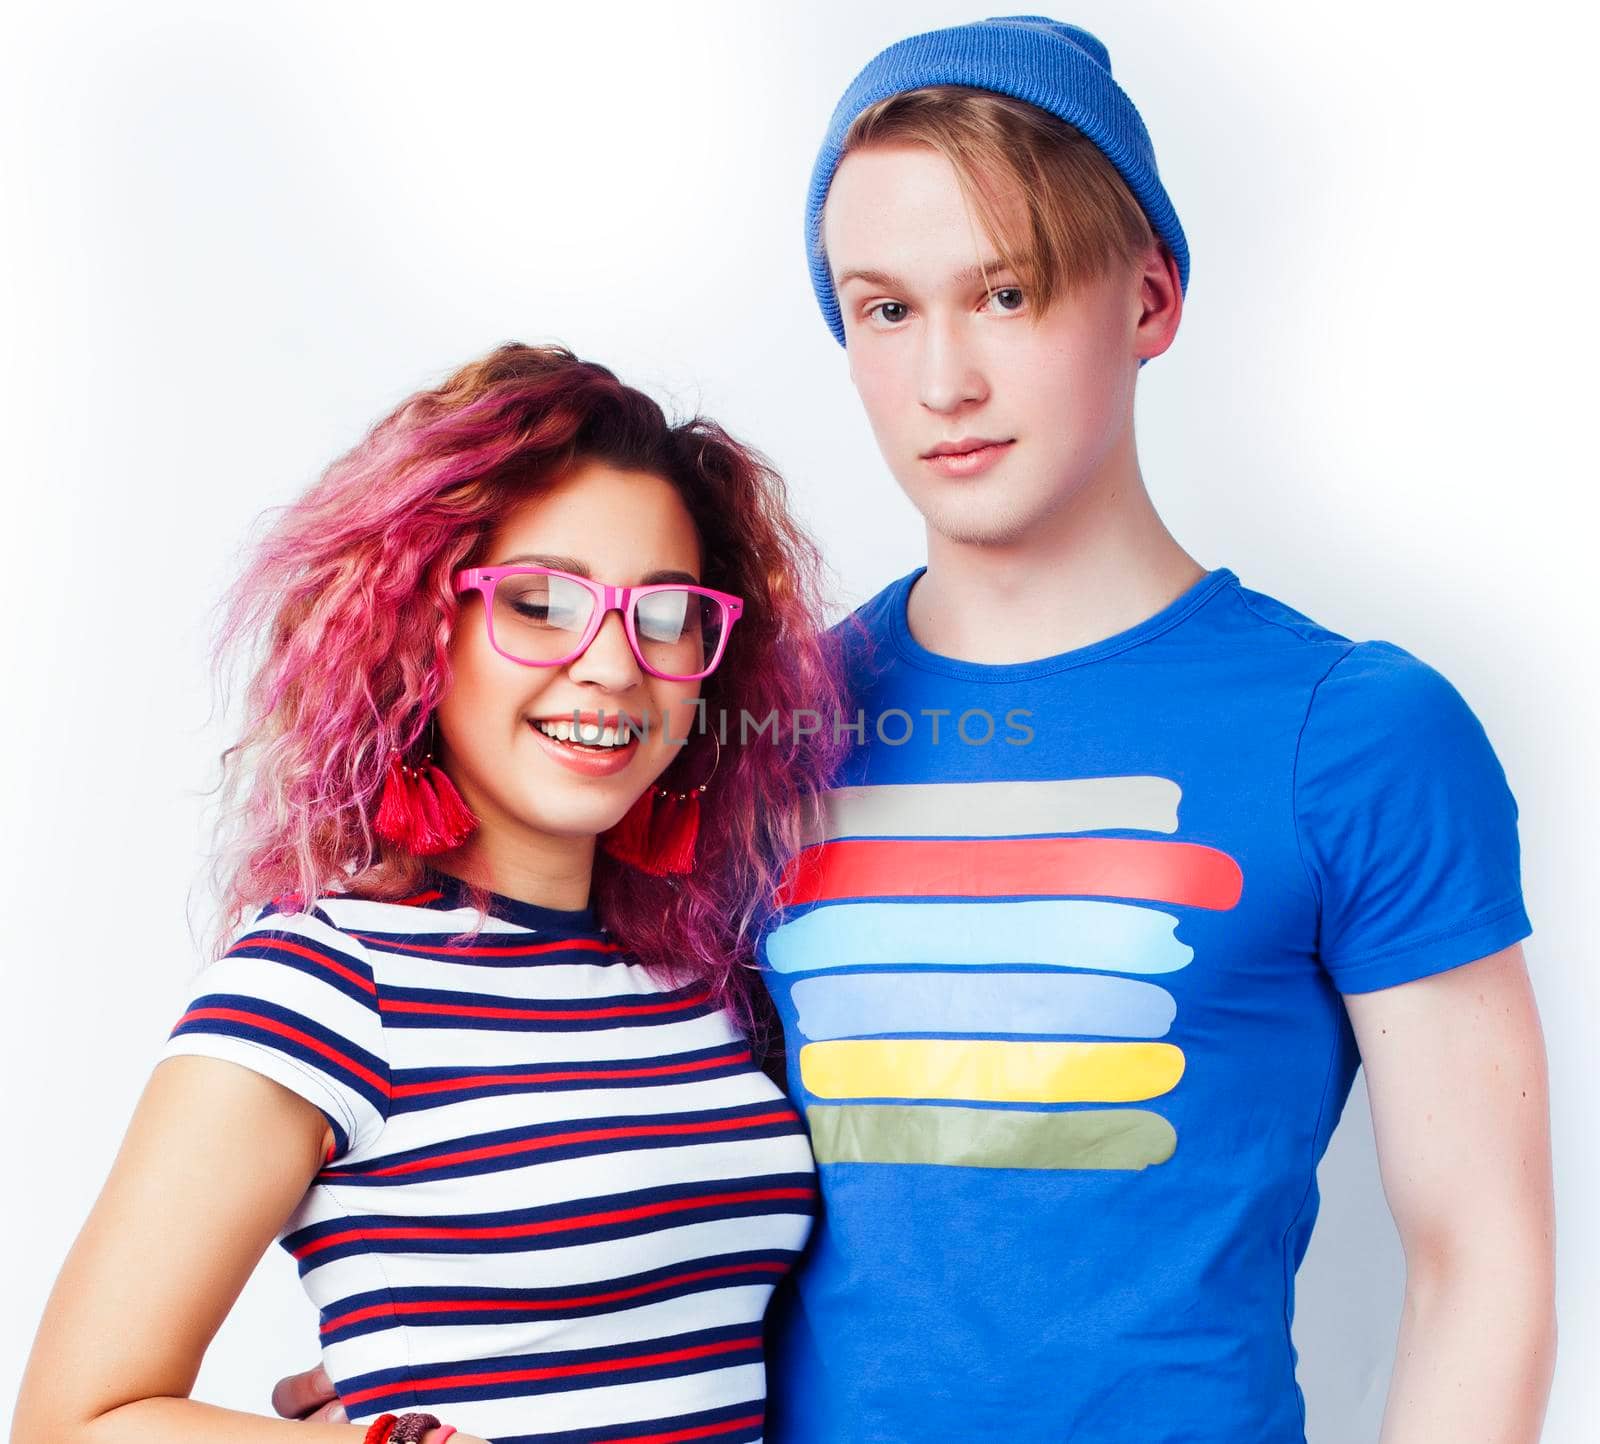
483, 580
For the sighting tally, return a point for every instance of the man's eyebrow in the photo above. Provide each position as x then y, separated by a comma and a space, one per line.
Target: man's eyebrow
581, 569
883, 281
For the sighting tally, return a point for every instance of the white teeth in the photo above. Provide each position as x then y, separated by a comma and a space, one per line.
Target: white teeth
563, 731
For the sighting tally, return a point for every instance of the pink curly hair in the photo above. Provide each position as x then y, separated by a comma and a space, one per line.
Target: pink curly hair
349, 600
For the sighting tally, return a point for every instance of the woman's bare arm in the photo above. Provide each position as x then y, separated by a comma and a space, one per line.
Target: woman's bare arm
215, 1160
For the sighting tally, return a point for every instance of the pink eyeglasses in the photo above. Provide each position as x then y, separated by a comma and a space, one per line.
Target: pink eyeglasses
544, 618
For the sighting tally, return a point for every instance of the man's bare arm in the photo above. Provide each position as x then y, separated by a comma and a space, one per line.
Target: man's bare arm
1457, 1079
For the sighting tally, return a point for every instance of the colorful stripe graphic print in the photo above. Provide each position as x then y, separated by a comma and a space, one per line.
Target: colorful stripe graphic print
991, 998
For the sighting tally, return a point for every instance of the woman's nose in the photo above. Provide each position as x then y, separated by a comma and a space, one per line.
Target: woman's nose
608, 660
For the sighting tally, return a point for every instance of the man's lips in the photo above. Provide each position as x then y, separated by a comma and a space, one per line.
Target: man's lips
966, 444
965, 458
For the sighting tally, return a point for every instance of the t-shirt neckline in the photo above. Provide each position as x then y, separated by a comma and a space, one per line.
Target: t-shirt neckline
1153, 626
563, 922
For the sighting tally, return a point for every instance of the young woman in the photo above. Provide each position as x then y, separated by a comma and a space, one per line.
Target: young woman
478, 1061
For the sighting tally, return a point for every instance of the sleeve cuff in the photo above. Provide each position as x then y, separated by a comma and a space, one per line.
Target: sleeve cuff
1439, 952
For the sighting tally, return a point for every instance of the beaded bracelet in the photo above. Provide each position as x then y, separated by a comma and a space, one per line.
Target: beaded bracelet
410, 1428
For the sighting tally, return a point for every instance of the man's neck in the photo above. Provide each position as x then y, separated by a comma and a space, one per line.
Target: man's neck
1103, 564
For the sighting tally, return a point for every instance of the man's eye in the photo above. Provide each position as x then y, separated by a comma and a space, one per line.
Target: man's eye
1008, 298
890, 311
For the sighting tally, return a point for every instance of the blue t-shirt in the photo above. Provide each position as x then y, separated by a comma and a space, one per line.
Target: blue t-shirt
1063, 1009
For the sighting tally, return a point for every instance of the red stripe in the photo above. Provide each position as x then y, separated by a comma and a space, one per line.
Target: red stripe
569, 1075
283, 1030
1153, 871
584, 1301
418, 898
365, 984
555, 1225
527, 950
557, 1140
558, 1371
698, 1431
486, 1010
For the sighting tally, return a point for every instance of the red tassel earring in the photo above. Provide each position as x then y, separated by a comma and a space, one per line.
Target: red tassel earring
658, 833
420, 810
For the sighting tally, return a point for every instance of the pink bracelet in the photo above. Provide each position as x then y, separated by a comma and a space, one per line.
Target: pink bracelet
445, 1431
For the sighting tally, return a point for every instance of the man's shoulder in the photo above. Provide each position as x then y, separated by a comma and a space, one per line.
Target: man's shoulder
1276, 619
1375, 671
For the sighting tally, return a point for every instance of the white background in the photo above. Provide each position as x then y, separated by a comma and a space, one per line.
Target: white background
236, 235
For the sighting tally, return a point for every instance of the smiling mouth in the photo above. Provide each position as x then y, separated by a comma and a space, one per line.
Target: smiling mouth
589, 736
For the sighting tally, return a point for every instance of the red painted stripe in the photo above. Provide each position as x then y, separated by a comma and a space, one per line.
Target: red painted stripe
280, 945
557, 1140
1152, 871
283, 1030
556, 1225
486, 1010
527, 950
557, 1371
570, 1075
697, 1431
534, 1306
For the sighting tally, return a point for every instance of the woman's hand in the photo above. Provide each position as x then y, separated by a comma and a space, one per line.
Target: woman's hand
310, 1396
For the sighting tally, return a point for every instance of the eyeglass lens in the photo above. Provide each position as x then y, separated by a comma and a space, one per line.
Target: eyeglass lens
541, 619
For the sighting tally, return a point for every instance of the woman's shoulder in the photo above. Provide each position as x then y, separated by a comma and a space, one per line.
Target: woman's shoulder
354, 918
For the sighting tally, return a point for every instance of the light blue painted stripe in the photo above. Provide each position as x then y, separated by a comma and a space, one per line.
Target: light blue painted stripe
861, 1005
1108, 937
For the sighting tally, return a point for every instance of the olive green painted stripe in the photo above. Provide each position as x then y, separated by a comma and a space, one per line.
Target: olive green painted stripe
1111, 1138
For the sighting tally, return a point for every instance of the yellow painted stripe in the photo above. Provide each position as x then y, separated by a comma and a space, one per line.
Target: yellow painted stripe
990, 1071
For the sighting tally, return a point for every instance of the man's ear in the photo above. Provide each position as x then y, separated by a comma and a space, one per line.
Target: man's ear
1159, 300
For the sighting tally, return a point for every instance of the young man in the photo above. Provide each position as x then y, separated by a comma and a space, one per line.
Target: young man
1075, 988
1132, 869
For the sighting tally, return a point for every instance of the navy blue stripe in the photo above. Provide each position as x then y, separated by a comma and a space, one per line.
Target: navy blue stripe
644, 1428
579, 1014
755, 1267
261, 945
546, 1077
289, 1047
369, 1173
376, 1227
403, 1384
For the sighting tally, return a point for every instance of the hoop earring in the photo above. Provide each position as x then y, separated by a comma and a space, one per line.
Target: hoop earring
657, 834
421, 811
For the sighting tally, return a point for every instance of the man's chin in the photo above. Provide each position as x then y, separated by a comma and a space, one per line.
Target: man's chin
979, 522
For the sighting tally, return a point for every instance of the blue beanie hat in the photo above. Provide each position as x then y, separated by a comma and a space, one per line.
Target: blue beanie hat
1060, 68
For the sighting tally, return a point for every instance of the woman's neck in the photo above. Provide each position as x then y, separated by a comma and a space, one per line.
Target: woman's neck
546, 870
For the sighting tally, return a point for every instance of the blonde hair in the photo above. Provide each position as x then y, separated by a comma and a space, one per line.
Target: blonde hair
1081, 220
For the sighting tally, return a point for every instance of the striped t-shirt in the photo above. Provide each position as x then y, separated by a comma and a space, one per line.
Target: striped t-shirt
560, 1192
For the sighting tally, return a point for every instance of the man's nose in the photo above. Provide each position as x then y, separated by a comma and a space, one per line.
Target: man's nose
949, 375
